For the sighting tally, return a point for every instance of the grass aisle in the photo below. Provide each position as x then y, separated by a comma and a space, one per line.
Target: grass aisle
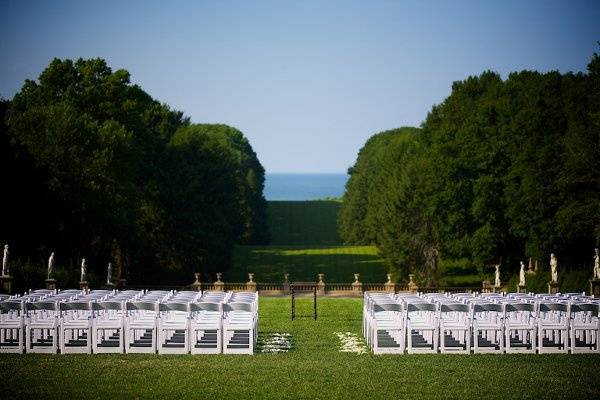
314, 369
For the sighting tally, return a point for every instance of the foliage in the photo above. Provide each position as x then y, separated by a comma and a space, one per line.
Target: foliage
500, 171
102, 160
314, 368
212, 192
569, 281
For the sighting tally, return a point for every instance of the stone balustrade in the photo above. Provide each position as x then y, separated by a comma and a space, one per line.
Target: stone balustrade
354, 289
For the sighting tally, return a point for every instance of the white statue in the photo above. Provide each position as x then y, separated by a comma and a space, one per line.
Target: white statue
554, 268
522, 275
497, 282
50, 265
82, 270
597, 264
5, 270
109, 274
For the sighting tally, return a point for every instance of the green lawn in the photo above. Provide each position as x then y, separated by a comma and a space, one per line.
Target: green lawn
314, 369
304, 243
304, 222
303, 263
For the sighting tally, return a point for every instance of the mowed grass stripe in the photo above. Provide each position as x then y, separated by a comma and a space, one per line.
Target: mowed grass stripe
303, 263
314, 369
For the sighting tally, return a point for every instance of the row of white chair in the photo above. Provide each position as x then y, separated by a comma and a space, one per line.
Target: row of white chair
492, 323
130, 322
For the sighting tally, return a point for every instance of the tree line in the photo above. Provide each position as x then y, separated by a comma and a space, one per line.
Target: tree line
500, 171
95, 167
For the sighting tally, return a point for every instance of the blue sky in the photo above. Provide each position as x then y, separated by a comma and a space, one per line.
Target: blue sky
308, 82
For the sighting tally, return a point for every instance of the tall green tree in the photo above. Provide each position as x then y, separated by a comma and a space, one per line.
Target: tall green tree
501, 170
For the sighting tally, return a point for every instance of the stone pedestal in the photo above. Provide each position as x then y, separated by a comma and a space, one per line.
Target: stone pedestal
51, 284
390, 287
6, 283
84, 285
486, 287
412, 286
219, 285
197, 285
109, 286
552, 287
497, 289
321, 285
521, 289
595, 287
357, 287
286, 283
251, 285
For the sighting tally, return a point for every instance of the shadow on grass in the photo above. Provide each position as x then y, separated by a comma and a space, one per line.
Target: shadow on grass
304, 222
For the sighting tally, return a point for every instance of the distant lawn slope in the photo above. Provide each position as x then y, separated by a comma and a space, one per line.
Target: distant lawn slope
303, 263
303, 222
304, 243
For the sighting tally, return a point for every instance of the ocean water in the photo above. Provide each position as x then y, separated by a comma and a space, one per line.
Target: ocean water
280, 186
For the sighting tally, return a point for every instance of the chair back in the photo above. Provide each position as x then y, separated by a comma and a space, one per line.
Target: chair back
488, 307
140, 305
173, 307
586, 307
41, 305
237, 306
421, 307
74, 305
455, 307
554, 307
195, 307
520, 307
107, 305
387, 307
8, 306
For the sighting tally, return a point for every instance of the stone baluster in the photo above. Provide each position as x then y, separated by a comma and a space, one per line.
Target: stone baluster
412, 286
197, 285
219, 285
390, 287
357, 286
251, 285
321, 285
286, 283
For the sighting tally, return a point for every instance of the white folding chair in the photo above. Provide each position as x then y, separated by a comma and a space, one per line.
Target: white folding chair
239, 328
11, 326
140, 326
206, 328
520, 325
387, 328
553, 327
75, 327
422, 327
488, 327
41, 327
455, 328
173, 328
107, 327
585, 328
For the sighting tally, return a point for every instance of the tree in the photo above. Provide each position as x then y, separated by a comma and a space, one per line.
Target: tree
500, 170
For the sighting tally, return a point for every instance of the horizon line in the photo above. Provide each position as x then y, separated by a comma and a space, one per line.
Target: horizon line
306, 172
